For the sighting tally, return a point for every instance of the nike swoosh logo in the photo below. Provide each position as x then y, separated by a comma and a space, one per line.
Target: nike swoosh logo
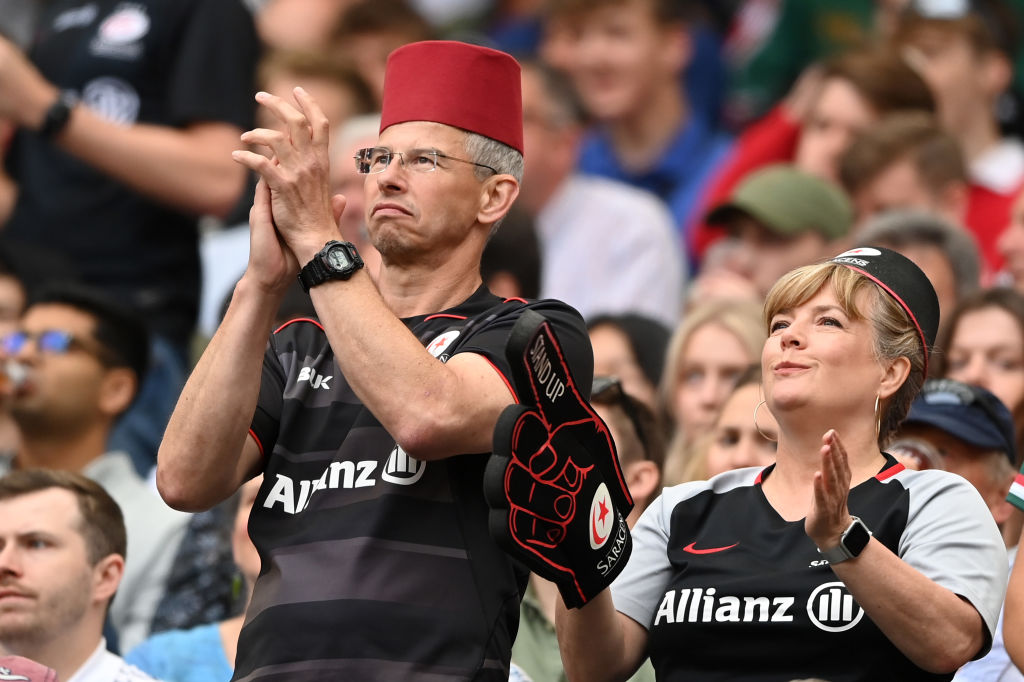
710, 550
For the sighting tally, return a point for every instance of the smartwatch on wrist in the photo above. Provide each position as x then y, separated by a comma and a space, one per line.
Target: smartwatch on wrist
337, 260
58, 115
851, 543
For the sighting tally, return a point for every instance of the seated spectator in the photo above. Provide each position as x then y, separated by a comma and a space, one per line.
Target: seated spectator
626, 60
947, 253
905, 161
744, 434
816, 123
972, 433
777, 219
1011, 247
607, 247
641, 453
63, 560
964, 50
707, 353
631, 348
983, 345
84, 355
206, 653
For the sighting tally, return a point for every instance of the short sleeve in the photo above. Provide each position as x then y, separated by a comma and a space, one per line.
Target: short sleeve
638, 590
490, 339
267, 417
952, 538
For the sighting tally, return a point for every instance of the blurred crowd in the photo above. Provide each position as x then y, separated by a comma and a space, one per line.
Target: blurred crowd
680, 156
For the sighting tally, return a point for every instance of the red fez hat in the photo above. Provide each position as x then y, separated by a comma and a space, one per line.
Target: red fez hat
467, 86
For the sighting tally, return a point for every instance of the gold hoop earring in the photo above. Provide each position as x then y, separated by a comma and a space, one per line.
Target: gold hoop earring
878, 419
756, 408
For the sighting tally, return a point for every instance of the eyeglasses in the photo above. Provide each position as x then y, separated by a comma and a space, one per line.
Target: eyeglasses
52, 341
376, 159
608, 390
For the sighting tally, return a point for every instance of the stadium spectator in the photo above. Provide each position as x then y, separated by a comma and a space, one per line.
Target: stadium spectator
777, 219
827, 107
62, 557
403, 377
627, 58
607, 247
905, 160
84, 355
970, 433
708, 351
965, 50
127, 114
983, 344
946, 252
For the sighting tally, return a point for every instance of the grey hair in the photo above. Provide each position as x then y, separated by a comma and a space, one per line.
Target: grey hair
907, 227
499, 156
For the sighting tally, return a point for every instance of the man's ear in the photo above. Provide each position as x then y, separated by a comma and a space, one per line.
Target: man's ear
496, 198
642, 479
107, 577
895, 373
117, 389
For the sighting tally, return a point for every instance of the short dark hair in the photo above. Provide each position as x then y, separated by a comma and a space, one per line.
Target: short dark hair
883, 78
912, 135
102, 523
119, 329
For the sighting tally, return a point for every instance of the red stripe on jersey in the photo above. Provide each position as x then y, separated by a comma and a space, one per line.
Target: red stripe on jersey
760, 475
299, 319
515, 298
1019, 479
438, 315
258, 443
890, 472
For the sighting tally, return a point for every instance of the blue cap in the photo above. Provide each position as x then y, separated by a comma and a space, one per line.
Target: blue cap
970, 413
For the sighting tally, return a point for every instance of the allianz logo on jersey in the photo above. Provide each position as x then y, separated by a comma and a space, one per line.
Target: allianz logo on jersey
830, 608
292, 497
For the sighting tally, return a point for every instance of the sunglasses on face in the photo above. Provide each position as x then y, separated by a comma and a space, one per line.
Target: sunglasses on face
50, 341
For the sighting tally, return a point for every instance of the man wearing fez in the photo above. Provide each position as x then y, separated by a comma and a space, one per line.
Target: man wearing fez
371, 522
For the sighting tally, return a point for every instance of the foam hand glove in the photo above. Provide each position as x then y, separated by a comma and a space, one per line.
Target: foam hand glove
557, 494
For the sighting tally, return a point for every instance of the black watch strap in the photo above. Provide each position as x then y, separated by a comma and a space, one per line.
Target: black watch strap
320, 269
58, 115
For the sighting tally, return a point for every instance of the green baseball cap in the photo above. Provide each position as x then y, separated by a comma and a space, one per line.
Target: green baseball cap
788, 202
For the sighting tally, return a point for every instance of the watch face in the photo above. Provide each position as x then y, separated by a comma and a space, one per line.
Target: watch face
856, 537
338, 259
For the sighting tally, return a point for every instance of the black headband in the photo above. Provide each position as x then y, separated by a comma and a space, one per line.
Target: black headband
899, 277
